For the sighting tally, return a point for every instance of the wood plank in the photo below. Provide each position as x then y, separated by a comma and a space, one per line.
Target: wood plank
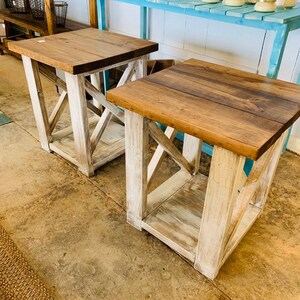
268, 177
169, 147
68, 51
240, 12
246, 96
50, 16
136, 145
159, 155
110, 146
208, 121
24, 20
93, 13
128, 73
37, 99
98, 96
79, 118
220, 198
208, 6
58, 135
96, 82
223, 10
40, 26
58, 110
106, 154
52, 77
242, 112
259, 16
177, 221
247, 221
186, 3
55, 147
99, 130
285, 16
255, 185
93, 108
192, 151
167, 189
276, 87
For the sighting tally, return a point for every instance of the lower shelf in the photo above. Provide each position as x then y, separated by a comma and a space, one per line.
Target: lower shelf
177, 220
111, 145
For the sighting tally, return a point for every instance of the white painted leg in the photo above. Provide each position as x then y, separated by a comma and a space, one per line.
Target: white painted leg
192, 151
222, 190
268, 177
95, 80
141, 70
37, 99
136, 147
78, 110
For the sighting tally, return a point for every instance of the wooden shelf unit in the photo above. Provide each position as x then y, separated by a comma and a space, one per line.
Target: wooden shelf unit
43, 27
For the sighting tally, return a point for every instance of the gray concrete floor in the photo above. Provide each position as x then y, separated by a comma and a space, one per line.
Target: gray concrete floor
72, 229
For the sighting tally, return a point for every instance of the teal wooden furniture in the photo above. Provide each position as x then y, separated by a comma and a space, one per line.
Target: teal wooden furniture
282, 21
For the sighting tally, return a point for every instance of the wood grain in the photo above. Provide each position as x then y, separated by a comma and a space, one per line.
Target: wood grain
50, 16
236, 110
93, 13
177, 221
83, 50
31, 69
40, 26
136, 147
220, 198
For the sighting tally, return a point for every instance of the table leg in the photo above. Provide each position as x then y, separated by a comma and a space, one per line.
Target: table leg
144, 22
101, 14
192, 151
95, 81
136, 147
277, 50
223, 184
37, 98
79, 118
142, 67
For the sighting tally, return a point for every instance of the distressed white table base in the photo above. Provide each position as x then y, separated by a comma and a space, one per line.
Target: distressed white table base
202, 219
90, 142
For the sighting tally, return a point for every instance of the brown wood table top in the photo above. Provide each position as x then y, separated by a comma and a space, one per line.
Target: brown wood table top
236, 110
83, 50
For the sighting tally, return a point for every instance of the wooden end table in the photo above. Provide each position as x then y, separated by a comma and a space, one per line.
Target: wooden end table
242, 115
80, 54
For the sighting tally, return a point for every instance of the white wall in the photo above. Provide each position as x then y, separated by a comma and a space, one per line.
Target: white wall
182, 37
78, 10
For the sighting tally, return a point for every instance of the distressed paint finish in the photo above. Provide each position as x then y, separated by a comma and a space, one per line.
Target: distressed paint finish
204, 219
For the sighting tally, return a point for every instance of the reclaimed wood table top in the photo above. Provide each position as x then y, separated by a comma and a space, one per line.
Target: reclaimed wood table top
83, 50
236, 110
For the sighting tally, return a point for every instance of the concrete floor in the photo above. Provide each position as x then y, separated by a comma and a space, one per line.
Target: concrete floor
72, 229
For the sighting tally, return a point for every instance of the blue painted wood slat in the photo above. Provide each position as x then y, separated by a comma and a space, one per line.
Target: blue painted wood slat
222, 10
241, 11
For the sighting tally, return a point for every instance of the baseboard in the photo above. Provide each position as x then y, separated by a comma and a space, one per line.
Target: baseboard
294, 144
